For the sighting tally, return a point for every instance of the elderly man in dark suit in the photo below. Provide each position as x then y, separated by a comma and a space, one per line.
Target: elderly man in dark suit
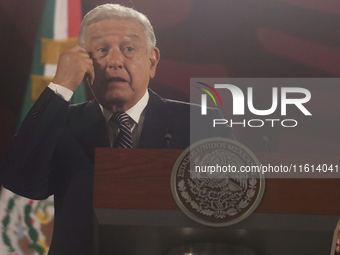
53, 152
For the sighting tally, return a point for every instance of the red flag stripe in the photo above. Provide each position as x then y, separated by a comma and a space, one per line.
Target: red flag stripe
74, 17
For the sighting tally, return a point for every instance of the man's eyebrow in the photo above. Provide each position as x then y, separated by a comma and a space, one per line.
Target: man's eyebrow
96, 38
133, 36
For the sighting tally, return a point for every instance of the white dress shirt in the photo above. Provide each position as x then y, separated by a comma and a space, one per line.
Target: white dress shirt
136, 113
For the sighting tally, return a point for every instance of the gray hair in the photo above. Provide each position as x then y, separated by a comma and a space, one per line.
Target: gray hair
116, 11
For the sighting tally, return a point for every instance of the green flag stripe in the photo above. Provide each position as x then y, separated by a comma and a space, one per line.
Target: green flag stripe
79, 95
45, 30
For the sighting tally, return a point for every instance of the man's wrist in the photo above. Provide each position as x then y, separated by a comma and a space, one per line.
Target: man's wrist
61, 91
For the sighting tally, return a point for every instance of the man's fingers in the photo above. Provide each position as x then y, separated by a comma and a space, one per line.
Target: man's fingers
90, 75
93, 76
77, 48
88, 57
73, 65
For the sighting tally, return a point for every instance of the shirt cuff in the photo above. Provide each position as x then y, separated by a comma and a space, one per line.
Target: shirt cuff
61, 91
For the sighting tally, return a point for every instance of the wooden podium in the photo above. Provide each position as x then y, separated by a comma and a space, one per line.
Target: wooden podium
135, 212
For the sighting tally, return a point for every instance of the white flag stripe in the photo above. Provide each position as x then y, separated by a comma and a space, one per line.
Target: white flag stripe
50, 70
60, 31
60, 20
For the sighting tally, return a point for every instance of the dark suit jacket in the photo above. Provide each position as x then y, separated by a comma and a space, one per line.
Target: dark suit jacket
53, 153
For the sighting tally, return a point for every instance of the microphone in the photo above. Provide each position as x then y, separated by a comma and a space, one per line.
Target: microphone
265, 142
167, 139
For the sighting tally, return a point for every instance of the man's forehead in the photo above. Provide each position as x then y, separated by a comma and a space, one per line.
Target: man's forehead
127, 29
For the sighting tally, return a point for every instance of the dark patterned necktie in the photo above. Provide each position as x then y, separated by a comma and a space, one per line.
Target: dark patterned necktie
124, 138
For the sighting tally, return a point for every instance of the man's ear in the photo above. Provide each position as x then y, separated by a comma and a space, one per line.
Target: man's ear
154, 56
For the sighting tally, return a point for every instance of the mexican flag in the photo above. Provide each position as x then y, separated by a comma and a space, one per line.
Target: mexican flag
58, 31
27, 225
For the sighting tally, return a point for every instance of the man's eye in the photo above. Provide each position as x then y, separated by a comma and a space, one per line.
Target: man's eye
128, 49
102, 50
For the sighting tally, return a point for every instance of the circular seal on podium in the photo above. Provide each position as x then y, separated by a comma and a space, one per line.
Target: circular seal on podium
215, 182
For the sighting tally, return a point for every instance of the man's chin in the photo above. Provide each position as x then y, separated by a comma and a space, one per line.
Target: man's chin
121, 101
114, 101
109, 102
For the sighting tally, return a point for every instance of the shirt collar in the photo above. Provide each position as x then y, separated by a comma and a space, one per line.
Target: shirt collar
134, 112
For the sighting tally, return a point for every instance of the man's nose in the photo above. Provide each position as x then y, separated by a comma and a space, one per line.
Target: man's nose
115, 59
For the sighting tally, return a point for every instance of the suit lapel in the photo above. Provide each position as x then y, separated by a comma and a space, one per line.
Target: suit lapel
157, 122
90, 128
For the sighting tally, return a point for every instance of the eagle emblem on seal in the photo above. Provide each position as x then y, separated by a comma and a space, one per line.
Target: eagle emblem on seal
218, 194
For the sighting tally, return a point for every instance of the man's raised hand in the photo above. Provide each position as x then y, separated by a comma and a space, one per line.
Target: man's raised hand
73, 65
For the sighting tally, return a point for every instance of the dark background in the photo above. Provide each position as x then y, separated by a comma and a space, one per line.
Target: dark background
209, 38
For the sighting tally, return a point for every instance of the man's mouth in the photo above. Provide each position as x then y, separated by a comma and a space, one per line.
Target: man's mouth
115, 80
